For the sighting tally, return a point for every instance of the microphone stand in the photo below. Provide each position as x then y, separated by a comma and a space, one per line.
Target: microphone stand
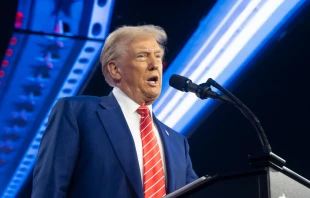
269, 157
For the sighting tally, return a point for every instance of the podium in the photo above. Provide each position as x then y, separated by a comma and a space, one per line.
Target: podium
268, 178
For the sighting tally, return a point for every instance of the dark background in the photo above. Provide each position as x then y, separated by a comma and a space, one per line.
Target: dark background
274, 86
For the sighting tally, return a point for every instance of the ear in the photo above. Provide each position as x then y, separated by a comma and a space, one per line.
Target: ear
114, 70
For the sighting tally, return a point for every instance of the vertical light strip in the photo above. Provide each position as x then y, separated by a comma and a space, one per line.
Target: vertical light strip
205, 45
242, 39
234, 28
180, 110
217, 48
222, 62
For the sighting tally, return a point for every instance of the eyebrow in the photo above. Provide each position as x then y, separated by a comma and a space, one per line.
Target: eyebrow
148, 50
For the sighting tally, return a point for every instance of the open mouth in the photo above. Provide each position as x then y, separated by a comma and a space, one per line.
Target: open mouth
153, 80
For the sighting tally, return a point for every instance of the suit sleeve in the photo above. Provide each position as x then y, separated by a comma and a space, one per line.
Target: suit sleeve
57, 154
190, 173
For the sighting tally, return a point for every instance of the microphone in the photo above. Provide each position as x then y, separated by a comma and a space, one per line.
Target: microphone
202, 91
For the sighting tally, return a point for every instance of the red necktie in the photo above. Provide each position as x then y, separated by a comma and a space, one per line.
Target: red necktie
153, 178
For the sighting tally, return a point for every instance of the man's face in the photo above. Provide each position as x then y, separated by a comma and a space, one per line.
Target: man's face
141, 70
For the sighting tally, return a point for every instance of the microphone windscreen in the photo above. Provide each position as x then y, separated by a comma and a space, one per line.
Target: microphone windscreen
178, 82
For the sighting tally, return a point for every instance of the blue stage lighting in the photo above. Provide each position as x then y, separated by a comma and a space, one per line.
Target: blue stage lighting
223, 44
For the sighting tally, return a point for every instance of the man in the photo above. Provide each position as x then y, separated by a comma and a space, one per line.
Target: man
112, 146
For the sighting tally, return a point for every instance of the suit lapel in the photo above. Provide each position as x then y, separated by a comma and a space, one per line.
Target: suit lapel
171, 166
120, 136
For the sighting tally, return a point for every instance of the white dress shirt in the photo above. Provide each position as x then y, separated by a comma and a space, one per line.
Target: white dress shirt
129, 109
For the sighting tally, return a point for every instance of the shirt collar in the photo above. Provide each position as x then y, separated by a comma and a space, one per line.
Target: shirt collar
128, 106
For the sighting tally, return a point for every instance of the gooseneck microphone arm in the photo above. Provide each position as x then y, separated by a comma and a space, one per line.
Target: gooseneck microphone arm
204, 91
248, 113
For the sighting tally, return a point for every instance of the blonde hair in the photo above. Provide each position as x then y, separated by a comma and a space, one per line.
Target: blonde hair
116, 42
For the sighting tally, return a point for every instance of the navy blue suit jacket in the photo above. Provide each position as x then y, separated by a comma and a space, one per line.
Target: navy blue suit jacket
87, 151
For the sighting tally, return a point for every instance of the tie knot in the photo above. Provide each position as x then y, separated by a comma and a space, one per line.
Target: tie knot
143, 111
